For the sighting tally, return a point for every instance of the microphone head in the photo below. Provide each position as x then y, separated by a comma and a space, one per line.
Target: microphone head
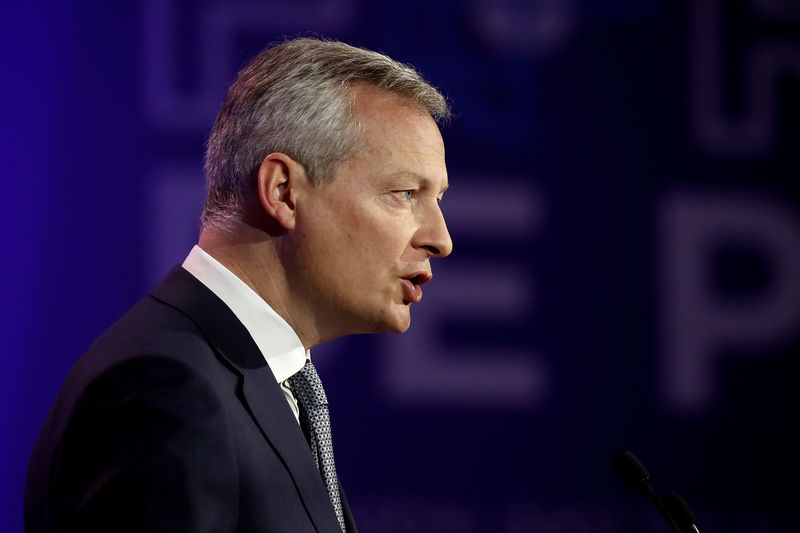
631, 472
679, 509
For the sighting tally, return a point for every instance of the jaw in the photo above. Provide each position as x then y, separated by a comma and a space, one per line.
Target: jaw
400, 318
392, 318
383, 310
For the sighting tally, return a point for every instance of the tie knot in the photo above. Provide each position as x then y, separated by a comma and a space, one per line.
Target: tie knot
308, 387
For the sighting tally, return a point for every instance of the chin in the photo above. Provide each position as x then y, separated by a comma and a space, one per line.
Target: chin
402, 324
392, 319
401, 329
396, 323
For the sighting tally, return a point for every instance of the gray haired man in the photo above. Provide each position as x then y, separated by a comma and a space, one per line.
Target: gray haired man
200, 410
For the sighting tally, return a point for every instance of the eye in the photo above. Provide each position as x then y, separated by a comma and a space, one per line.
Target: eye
405, 194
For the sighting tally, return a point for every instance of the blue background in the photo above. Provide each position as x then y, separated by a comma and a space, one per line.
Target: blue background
624, 205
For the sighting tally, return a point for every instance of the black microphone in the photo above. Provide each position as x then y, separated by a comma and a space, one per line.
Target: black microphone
680, 511
632, 473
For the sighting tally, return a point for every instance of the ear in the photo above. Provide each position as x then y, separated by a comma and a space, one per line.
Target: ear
279, 178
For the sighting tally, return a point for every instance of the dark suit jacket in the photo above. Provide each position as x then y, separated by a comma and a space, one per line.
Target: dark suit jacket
173, 422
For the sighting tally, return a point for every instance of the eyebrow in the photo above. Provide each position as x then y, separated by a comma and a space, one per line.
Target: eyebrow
419, 177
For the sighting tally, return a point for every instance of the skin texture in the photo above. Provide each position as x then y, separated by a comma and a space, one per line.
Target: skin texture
334, 260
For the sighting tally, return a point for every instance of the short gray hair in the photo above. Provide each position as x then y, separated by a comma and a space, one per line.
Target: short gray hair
295, 98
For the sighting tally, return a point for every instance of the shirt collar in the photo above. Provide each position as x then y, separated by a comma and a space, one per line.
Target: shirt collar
275, 338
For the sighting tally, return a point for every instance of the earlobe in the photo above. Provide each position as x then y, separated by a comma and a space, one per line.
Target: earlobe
278, 177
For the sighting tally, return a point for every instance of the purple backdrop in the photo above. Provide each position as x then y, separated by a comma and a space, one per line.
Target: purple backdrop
624, 205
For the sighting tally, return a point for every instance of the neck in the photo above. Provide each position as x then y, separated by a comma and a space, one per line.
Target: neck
252, 256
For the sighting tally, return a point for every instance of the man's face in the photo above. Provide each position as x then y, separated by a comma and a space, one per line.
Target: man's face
367, 238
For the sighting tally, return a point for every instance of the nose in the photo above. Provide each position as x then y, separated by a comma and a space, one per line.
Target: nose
434, 236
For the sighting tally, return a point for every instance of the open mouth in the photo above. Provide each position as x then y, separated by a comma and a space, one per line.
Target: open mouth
417, 280
412, 291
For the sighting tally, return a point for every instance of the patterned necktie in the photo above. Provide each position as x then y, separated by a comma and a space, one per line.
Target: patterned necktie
316, 422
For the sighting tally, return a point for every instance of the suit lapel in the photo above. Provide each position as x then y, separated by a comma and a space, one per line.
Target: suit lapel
273, 416
260, 391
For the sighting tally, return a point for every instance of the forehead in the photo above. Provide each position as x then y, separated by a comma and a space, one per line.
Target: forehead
398, 135
389, 108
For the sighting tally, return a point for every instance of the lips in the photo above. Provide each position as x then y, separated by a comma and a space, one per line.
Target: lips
412, 291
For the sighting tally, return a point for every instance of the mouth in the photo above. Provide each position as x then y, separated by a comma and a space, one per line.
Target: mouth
412, 290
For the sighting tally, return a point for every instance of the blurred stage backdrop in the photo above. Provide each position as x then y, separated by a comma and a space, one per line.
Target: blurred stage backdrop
626, 274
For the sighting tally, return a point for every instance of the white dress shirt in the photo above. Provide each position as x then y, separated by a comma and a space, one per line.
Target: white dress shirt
275, 338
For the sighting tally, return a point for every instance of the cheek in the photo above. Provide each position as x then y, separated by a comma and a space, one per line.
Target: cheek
342, 252
364, 241
362, 235
384, 244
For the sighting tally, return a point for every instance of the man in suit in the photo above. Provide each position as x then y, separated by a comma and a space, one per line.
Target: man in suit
199, 409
